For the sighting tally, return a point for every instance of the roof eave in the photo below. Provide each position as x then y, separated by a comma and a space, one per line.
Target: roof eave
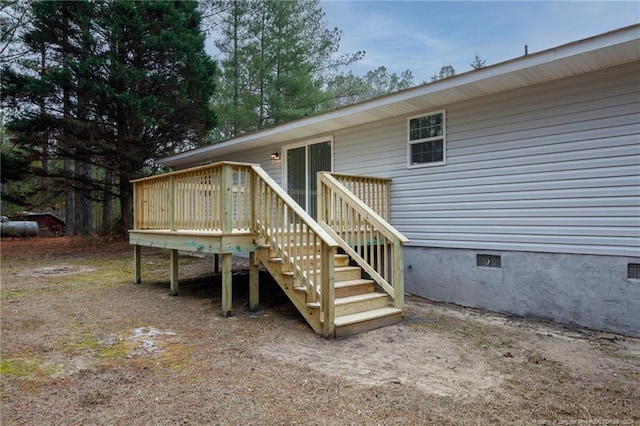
331, 119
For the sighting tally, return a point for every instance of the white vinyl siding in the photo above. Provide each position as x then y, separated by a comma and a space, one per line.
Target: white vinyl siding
261, 156
551, 168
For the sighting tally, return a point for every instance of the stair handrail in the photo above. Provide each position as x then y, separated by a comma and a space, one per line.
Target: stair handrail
374, 191
389, 275
279, 237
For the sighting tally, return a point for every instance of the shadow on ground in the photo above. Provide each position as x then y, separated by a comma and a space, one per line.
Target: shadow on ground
209, 286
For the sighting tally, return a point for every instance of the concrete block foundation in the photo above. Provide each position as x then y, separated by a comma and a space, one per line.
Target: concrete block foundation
586, 290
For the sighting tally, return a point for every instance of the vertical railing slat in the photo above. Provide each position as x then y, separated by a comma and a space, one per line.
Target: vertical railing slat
170, 203
194, 199
373, 191
377, 247
225, 197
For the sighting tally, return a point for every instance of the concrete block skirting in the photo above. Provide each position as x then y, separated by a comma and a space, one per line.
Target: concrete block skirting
587, 290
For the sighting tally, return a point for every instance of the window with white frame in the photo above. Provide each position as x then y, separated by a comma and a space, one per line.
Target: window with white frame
427, 139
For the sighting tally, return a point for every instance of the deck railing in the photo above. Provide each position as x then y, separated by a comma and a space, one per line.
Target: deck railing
363, 234
215, 198
375, 192
305, 249
226, 197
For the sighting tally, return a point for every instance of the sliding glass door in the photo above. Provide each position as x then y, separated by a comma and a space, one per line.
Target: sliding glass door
303, 162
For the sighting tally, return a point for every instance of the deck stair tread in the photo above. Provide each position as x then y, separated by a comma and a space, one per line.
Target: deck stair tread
314, 257
349, 283
265, 245
301, 247
337, 269
358, 306
352, 299
359, 298
365, 316
252, 213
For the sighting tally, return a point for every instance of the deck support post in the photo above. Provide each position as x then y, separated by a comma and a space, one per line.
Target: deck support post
254, 285
226, 285
136, 264
327, 289
398, 275
173, 270
226, 201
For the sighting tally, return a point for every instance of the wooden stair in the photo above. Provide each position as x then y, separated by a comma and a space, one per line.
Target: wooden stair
358, 305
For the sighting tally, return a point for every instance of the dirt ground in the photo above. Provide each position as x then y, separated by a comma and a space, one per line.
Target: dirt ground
82, 344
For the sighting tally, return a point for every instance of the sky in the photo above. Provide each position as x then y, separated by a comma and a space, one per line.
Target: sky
423, 36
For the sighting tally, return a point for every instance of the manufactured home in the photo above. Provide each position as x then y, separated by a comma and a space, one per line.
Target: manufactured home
513, 188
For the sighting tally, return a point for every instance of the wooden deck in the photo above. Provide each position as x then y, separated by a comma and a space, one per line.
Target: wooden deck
228, 208
237, 241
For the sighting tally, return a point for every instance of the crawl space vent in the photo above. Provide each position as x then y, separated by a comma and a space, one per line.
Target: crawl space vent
633, 272
488, 261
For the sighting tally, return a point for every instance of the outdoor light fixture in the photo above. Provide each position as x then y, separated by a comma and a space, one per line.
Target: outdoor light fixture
275, 156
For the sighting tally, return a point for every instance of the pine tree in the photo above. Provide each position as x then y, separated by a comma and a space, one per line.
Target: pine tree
445, 72
478, 62
232, 92
126, 82
348, 89
158, 83
277, 58
14, 16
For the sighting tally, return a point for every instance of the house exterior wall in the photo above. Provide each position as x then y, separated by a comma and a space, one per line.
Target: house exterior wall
261, 156
546, 177
551, 168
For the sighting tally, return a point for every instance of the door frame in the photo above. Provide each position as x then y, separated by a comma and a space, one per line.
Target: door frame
305, 143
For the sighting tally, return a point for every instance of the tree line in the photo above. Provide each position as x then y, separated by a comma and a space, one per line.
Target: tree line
93, 92
103, 88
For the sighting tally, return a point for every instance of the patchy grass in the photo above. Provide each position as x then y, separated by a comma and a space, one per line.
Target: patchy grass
82, 345
26, 367
109, 347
